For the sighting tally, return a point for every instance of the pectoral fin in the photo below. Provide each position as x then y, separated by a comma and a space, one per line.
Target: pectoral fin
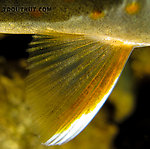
70, 78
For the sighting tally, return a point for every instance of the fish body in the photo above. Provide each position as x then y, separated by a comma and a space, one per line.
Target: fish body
109, 18
76, 56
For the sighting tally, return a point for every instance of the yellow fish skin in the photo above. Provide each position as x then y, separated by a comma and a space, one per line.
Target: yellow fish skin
124, 19
76, 56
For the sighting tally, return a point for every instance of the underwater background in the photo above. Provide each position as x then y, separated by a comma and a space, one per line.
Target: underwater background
122, 123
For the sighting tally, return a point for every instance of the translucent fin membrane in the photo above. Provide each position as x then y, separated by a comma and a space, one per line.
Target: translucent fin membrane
70, 78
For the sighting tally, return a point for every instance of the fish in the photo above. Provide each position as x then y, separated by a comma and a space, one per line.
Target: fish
77, 54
